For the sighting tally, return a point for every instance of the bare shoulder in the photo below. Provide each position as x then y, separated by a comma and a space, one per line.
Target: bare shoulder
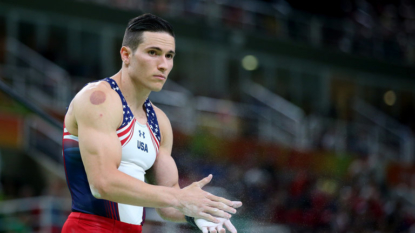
100, 86
97, 102
161, 116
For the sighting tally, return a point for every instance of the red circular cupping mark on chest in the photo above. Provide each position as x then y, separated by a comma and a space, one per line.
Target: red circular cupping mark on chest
97, 97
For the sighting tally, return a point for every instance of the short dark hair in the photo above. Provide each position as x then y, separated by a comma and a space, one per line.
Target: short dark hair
133, 35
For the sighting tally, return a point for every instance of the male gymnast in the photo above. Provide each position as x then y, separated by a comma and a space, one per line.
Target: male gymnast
113, 135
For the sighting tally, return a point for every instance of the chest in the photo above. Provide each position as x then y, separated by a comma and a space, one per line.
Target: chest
138, 147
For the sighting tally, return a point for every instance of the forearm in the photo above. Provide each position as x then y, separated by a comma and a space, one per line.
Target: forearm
171, 214
119, 187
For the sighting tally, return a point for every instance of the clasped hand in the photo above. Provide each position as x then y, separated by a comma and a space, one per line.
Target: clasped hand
210, 227
197, 203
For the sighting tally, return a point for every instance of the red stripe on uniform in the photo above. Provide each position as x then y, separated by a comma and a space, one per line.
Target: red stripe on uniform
127, 139
106, 209
152, 133
123, 142
155, 147
117, 212
112, 211
154, 136
127, 130
113, 207
123, 126
153, 139
66, 139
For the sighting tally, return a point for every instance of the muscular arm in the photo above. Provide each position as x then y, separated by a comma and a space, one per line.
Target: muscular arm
95, 111
164, 171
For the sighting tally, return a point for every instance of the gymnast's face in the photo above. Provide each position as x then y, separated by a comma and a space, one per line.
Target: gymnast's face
150, 64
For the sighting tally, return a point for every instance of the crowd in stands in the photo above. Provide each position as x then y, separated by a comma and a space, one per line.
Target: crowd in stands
381, 29
346, 194
385, 30
309, 192
277, 185
30, 215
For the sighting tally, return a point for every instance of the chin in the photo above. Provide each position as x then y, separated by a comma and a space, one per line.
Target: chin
156, 89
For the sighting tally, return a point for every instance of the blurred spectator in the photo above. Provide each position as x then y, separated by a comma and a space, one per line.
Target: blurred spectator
307, 198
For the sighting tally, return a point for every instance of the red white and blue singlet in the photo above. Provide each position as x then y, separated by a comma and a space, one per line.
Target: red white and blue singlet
140, 145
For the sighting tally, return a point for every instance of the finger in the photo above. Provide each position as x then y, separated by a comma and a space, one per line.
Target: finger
219, 199
236, 204
218, 213
230, 226
212, 230
205, 181
205, 230
223, 207
208, 217
221, 229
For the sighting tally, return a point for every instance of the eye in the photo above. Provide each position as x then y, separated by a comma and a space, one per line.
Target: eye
170, 56
152, 52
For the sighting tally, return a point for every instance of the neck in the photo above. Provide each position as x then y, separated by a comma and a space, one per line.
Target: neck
134, 93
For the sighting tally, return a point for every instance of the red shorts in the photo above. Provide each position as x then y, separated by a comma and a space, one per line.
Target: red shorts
88, 223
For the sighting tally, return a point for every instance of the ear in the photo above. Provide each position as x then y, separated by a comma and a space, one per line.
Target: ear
125, 53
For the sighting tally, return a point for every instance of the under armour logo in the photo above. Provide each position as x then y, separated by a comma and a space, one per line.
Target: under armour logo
139, 133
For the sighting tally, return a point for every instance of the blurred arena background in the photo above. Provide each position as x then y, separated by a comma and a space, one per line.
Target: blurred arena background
305, 111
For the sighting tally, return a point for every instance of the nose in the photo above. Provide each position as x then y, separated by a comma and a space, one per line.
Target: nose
163, 64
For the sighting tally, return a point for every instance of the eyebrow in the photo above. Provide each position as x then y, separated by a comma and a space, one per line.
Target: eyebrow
159, 49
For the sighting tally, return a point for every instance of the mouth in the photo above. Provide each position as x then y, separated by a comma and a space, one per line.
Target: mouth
161, 77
